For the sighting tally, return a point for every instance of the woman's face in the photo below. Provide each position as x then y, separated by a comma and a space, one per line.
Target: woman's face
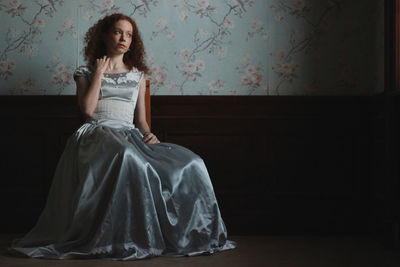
119, 38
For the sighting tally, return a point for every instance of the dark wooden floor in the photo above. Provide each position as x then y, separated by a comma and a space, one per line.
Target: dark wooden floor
321, 251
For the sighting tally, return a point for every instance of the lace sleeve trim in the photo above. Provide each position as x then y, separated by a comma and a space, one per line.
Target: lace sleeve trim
81, 71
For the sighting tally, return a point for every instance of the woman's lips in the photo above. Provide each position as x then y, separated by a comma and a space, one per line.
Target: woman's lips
121, 45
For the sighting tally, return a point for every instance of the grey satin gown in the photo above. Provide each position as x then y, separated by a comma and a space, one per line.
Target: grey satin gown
115, 197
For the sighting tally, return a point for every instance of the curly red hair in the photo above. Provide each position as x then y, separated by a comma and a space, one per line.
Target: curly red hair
96, 48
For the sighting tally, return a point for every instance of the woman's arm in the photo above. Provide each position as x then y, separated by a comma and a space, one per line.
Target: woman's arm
88, 94
140, 115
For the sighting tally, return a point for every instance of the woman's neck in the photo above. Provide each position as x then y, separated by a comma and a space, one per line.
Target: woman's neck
116, 64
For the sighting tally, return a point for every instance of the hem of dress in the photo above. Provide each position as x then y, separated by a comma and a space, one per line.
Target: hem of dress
104, 252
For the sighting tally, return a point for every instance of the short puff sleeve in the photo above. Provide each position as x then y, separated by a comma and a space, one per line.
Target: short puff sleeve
82, 71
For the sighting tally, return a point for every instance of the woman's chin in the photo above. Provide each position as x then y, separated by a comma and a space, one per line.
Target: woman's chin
119, 51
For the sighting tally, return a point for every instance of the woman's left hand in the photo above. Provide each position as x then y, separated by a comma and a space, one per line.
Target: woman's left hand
150, 138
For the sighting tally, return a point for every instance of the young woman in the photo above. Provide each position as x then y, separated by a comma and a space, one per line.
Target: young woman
118, 193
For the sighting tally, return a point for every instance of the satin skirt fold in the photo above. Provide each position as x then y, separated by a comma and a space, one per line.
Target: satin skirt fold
115, 197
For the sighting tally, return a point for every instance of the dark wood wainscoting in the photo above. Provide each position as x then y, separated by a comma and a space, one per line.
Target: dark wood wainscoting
278, 164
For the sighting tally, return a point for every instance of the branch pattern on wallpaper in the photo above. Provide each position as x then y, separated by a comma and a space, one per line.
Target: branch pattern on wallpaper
286, 67
203, 47
212, 43
22, 40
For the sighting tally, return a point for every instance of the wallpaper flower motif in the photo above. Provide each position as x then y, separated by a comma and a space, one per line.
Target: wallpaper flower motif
61, 75
251, 74
202, 47
22, 39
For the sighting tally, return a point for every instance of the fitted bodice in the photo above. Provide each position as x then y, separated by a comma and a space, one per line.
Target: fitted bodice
118, 94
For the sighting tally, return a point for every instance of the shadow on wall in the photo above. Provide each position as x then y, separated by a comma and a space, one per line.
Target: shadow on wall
327, 48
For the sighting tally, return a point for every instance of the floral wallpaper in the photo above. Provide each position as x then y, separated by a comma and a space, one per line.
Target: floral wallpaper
204, 47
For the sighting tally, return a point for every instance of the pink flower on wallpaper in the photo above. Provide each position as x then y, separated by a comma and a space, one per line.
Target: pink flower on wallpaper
107, 4
256, 78
39, 22
67, 27
89, 14
279, 16
56, 79
27, 84
161, 77
16, 8
298, 5
65, 76
228, 23
199, 64
221, 52
14, 4
3, 66
193, 68
189, 68
158, 76
171, 86
287, 69
6, 67
171, 35
258, 29
280, 55
201, 4
183, 15
185, 54
62, 78
60, 68
252, 79
31, 51
251, 69
68, 24
161, 23
256, 25
215, 85
56, 57
62, 75
10, 64
246, 80
251, 74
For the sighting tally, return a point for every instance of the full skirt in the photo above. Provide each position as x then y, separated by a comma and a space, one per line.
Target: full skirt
115, 197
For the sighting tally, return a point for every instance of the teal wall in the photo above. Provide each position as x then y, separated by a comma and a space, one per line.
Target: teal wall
202, 47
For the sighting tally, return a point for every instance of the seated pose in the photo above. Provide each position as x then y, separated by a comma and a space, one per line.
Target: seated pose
118, 192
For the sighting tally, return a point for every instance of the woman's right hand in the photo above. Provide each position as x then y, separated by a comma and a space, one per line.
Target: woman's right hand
102, 64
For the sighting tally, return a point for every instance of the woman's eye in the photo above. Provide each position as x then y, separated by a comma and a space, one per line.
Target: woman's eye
129, 35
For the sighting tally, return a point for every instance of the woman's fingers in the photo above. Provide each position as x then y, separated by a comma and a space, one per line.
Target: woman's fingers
102, 63
150, 139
